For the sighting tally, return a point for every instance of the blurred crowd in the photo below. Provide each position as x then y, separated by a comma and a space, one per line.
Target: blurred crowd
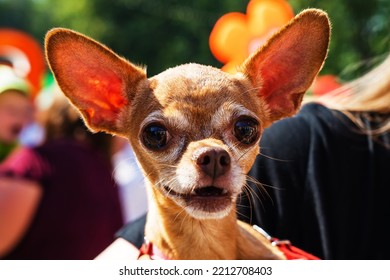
63, 190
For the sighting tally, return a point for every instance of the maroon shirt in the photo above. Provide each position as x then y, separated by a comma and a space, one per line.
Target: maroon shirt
79, 212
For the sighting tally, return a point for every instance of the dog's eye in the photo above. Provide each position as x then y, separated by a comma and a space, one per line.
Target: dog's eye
155, 136
246, 130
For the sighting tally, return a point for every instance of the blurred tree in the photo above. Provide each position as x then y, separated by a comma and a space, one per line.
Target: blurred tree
156, 33
164, 33
13, 14
360, 33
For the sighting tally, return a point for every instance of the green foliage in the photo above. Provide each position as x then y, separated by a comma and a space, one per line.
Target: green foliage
164, 33
360, 33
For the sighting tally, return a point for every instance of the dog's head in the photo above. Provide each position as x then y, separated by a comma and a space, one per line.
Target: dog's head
194, 129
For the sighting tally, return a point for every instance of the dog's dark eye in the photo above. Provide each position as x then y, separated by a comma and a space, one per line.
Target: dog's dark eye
246, 130
155, 136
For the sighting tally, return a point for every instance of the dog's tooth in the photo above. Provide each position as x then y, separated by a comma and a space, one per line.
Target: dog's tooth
224, 191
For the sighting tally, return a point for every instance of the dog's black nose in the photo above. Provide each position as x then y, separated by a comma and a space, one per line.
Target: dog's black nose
213, 161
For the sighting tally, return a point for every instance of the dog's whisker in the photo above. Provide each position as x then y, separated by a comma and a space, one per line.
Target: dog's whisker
249, 202
243, 154
173, 166
163, 182
245, 216
273, 158
184, 219
252, 194
260, 186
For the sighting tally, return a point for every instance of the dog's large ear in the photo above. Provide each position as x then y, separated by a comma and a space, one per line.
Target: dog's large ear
285, 67
96, 80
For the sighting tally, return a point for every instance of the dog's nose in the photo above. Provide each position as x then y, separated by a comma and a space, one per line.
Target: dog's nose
213, 161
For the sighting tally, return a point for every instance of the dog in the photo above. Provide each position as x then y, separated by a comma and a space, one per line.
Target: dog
194, 129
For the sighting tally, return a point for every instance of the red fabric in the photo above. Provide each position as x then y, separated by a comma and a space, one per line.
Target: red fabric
293, 253
150, 252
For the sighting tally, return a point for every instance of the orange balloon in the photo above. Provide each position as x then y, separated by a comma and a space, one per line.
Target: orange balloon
26, 44
229, 37
265, 15
232, 66
235, 35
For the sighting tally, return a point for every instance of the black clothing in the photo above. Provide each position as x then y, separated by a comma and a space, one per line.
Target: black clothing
133, 231
328, 186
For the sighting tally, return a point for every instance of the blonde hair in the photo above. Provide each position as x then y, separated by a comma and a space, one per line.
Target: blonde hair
363, 96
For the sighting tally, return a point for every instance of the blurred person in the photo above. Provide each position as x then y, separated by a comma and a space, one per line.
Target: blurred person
323, 179
130, 181
59, 200
15, 108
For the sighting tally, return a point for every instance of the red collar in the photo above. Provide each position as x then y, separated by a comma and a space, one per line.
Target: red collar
150, 252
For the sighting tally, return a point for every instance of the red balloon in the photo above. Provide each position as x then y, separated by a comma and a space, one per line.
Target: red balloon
324, 84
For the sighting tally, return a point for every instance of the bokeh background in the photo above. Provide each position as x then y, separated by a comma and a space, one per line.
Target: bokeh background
165, 33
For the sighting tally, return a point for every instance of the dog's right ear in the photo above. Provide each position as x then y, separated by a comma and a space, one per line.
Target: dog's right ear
96, 80
285, 67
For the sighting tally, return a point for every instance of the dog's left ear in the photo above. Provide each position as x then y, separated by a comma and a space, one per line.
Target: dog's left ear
97, 81
284, 68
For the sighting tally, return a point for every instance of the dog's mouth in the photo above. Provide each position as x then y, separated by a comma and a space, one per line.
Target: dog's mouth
210, 191
202, 192
204, 202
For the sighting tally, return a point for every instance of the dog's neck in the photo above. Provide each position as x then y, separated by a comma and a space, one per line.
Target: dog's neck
180, 236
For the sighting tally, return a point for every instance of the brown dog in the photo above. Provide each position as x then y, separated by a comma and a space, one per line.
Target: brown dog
194, 129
